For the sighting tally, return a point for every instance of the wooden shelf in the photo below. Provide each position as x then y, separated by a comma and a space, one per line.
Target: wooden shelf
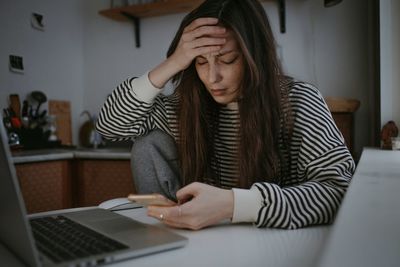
342, 105
159, 8
164, 7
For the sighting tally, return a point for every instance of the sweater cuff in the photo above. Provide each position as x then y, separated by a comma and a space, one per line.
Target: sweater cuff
143, 89
247, 204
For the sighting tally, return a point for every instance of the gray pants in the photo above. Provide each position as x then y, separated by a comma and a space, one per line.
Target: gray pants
155, 164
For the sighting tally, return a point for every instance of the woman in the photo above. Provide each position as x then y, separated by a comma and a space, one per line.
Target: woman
252, 144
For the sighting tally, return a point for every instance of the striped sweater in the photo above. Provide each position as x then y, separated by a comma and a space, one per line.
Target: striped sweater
320, 167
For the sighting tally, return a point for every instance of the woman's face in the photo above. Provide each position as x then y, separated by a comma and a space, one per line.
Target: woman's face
222, 72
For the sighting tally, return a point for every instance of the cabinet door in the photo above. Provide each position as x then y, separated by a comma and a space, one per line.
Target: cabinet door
345, 123
45, 185
100, 180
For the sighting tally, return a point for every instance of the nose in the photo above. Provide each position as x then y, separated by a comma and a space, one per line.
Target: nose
214, 74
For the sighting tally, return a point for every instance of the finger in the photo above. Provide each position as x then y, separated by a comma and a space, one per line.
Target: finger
215, 31
177, 224
190, 190
168, 213
200, 22
155, 212
185, 223
158, 216
208, 41
178, 219
209, 31
206, 50
174, 217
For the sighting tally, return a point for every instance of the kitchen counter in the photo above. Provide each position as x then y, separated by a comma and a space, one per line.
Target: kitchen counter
77, 177
79, 153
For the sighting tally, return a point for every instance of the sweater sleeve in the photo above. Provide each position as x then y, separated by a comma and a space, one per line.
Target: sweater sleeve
321, 170
133, 109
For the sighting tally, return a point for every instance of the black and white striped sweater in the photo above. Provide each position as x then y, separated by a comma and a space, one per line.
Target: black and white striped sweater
320, 168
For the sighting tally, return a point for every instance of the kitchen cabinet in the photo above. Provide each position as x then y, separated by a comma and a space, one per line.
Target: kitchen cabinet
60, 179
343, 111
45, 185
100, 180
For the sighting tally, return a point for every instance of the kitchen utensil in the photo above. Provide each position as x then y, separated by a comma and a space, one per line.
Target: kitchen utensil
25, 114
52, 128
88, 136
15, 104
13, 139
6, 113
40, 97
42, 114
7, 119
25, 107
16, 122
11, 112
62, 110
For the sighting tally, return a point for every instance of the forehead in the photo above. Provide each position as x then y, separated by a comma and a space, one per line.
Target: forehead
231, 44
231, 41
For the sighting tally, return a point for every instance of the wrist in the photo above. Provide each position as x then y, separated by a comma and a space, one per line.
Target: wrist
229, 205
161, 74
174, 62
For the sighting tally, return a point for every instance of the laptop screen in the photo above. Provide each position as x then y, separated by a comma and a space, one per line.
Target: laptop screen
15, 232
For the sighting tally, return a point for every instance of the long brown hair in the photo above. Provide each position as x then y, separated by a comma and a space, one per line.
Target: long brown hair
260, 105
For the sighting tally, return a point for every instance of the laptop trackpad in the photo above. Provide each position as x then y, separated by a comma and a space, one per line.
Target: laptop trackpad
105, 221
123, 229
116, 225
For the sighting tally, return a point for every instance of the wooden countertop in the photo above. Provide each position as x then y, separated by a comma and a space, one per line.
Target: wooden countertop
60, 154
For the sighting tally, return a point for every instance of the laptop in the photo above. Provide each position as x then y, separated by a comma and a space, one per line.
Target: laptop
79, 238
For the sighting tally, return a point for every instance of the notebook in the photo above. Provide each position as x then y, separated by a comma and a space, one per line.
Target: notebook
79, 238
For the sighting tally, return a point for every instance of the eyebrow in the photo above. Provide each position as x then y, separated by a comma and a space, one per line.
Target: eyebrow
226, 52
220, 54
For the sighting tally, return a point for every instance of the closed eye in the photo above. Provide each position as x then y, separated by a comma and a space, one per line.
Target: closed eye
229, 60
201, 60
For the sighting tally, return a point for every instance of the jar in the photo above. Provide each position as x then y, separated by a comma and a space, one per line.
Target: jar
395, 143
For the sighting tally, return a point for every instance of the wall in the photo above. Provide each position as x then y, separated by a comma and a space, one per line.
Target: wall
335, 57
83, 56
342, 60
396, 63
110, 52
53, 58
325, 46
390, 60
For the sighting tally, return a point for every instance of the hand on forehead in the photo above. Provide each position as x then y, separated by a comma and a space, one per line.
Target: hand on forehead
230, 45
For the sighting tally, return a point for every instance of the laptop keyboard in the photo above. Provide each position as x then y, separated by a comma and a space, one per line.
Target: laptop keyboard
62, 239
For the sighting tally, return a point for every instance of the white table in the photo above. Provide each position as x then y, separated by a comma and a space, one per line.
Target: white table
367, 229
237, 245
227, 245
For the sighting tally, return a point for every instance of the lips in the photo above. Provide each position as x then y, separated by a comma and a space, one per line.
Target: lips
218, 92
